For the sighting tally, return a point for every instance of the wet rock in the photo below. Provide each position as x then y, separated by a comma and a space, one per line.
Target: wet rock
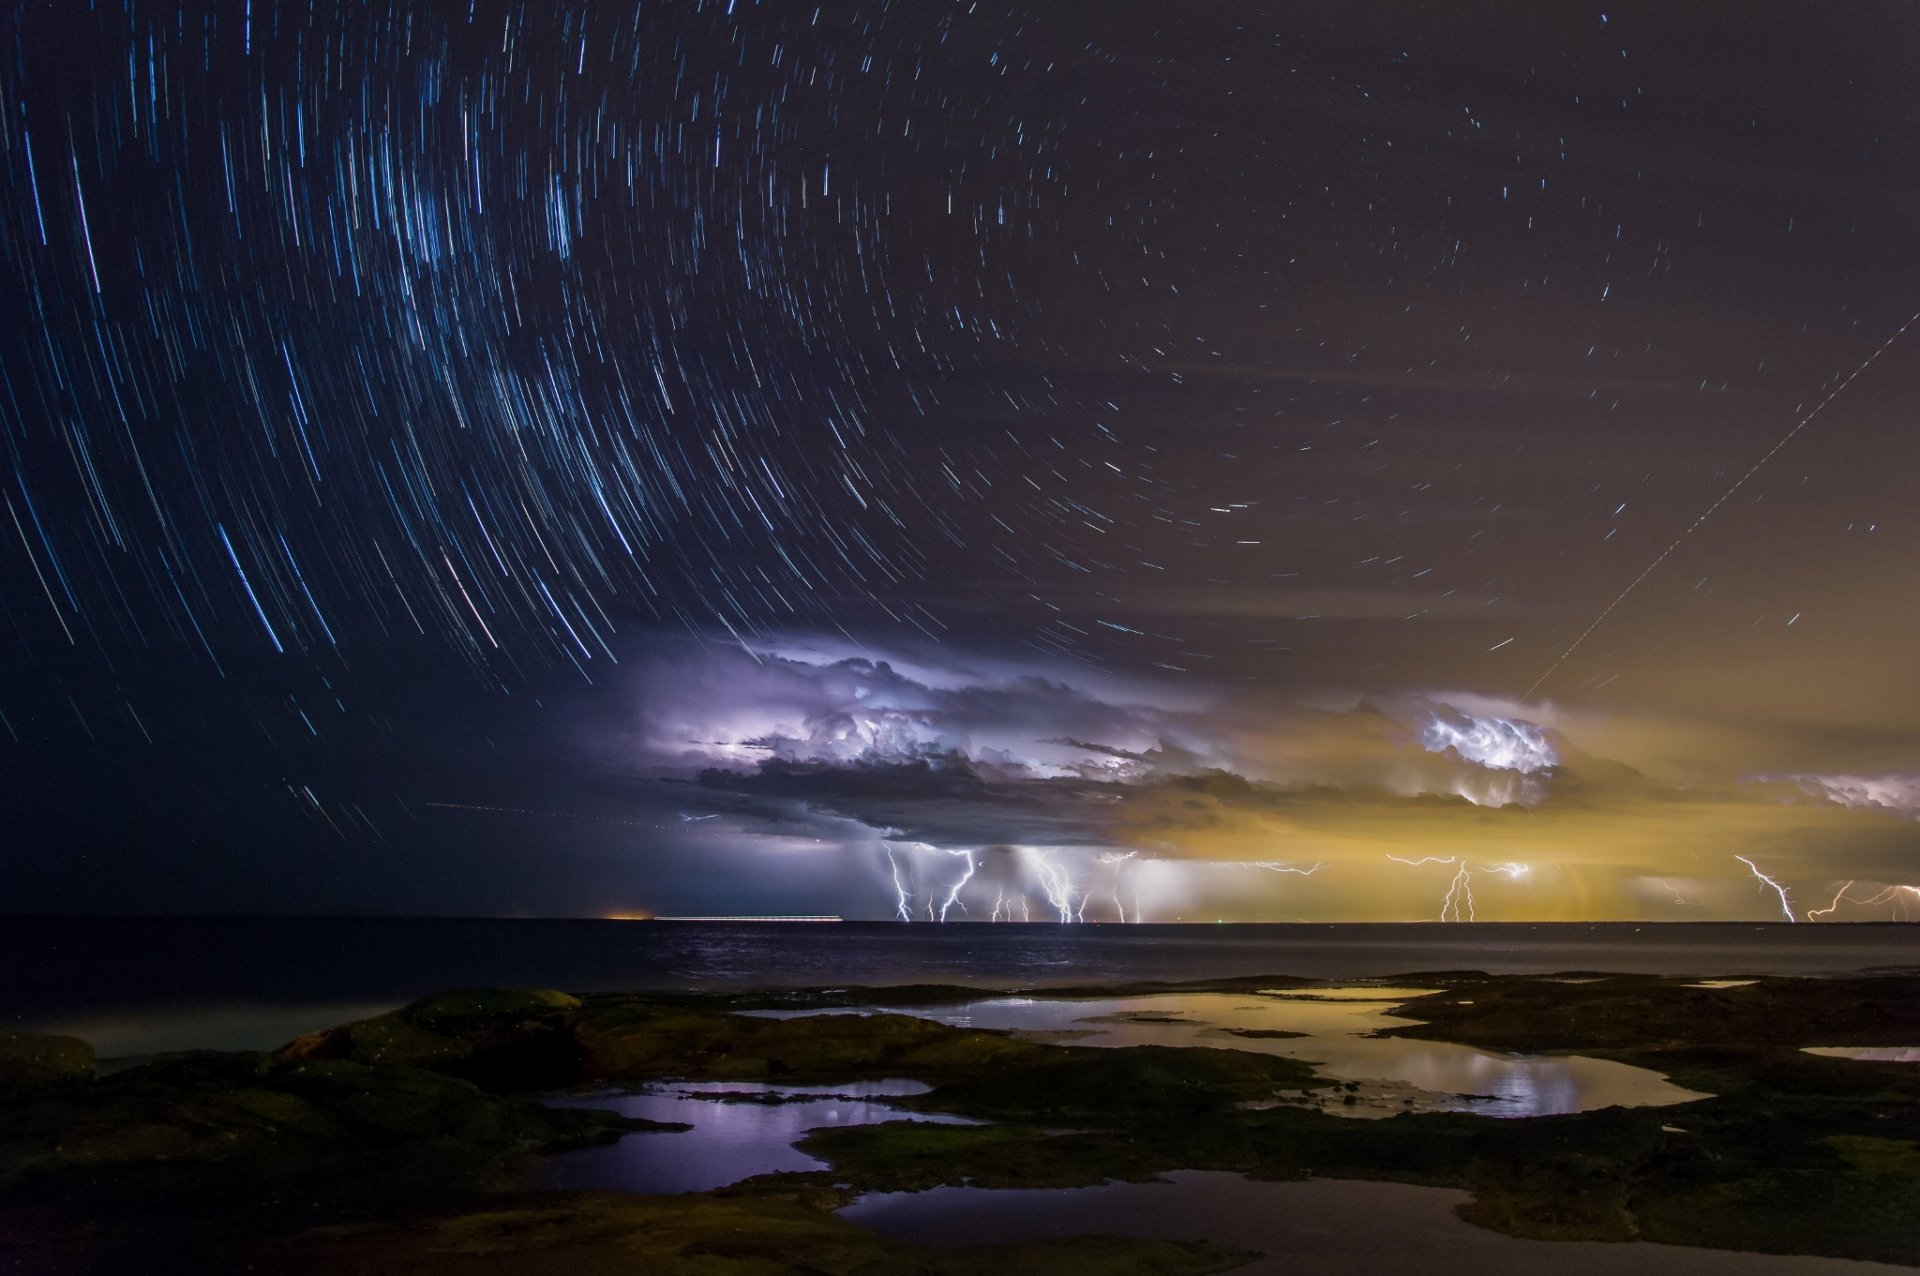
740, 1234
255, 1119
30, 1060
501, 1038
467, 1004
639, 1041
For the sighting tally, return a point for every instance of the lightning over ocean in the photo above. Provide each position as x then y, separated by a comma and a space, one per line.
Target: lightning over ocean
958, 463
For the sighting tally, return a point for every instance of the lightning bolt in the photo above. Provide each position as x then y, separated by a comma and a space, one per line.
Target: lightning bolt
1786, 905
899, 888
1055, 881
1118, 863
1458, 891
1896, 896
1457, 904
953, 895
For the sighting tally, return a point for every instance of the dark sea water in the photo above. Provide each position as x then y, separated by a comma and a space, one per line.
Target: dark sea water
137, 984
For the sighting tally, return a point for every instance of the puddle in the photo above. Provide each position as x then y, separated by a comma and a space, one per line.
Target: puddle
1328, 1227
1330, 1027
1722, 983
1390, 993
740, 1129
1870, 1054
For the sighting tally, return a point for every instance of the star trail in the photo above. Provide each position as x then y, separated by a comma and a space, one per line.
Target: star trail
443, 442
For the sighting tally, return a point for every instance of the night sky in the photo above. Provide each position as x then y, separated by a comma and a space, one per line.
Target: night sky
1081, 459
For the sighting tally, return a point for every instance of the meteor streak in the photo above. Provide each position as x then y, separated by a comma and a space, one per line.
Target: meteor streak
1725, 496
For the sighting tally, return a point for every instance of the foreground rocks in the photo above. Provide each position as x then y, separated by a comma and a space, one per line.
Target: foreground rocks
401, 1143
263, 1121
545, 1040
707, 1234
28, 1061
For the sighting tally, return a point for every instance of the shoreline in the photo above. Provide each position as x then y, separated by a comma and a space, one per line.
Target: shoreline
418, 1123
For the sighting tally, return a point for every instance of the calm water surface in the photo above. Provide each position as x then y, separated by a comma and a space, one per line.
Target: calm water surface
729, 1141
1872, 1054
1397, 1074
164, 983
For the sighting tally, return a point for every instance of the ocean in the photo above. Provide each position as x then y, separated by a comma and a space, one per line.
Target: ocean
135, 985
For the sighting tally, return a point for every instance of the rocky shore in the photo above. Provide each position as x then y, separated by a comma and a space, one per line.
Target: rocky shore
404, 1143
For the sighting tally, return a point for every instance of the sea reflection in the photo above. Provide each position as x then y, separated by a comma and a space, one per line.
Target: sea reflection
1869, 1054
1395, 1074
730, 1140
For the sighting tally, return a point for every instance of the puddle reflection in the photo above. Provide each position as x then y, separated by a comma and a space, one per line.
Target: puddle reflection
729, 1141
1334, 1023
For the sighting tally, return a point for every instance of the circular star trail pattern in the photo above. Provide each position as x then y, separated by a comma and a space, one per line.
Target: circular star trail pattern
348, 323
369, 354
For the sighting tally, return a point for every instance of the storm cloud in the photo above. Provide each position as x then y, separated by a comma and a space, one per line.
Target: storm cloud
975, 787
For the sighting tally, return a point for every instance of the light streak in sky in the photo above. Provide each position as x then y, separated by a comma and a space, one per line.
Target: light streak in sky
1902, 899
1679, 896
1786, 905
953, 896
1725, 496
899, 888
1834, 907
1118, 863
936, 907
1056, 882
1457, 904
1459, 894
1275, 866
1003, 908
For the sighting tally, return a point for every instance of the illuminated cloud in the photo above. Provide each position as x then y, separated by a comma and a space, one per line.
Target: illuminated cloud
975, 789
1500, 744
1896, 794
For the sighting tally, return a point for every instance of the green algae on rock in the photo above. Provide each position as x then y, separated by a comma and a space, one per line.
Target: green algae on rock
259, 1120
27, 1059
512, 1040
756, 1233
403, 1119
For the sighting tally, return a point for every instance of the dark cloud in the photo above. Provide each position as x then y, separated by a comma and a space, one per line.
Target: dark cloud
1079, 429
955, 759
